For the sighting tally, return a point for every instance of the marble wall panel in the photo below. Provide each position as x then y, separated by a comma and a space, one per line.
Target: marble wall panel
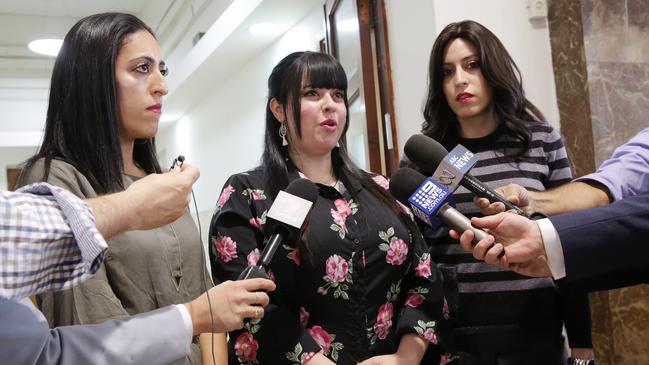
601, 61
616, 30
619, 101
571, 80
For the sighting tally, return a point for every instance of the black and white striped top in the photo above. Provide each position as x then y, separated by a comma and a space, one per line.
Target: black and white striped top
484, 298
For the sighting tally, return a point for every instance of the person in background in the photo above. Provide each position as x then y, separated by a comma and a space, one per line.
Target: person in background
359, 287
475, 98
52, 241
105, 101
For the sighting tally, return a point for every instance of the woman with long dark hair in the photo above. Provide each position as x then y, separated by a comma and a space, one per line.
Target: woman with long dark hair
476, 98
359, 285
105, 101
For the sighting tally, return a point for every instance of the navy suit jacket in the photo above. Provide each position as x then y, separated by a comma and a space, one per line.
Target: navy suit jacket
606, 247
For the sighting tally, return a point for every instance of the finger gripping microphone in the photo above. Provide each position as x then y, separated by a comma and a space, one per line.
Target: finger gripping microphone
284, 220
428, 198
451, 169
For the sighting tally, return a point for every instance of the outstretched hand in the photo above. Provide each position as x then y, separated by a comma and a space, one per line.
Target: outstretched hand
518, 236
159, 199
514, 193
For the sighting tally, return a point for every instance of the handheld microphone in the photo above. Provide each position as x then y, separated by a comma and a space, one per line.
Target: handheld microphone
284, 221
451, 168
428, 198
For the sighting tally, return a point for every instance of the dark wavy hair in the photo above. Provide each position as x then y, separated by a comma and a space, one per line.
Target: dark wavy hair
285, 85
513, 110
82, 125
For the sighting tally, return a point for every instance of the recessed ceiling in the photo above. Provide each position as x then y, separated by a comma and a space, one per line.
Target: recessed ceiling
24, 75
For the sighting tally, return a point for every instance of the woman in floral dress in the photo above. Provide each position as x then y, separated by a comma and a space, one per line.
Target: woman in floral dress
359, 286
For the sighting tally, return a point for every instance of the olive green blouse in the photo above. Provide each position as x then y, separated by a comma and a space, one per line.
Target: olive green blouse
143, 270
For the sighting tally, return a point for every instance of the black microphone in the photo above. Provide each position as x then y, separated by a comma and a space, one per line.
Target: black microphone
428, 198
284, 220
429, 155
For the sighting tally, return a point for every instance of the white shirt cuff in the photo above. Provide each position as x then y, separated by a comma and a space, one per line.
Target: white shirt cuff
553, 249
187, 319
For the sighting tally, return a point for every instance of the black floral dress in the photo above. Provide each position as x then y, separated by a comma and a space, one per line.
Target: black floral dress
364, 281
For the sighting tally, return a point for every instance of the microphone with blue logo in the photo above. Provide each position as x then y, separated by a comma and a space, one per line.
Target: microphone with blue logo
451, 168
429, 200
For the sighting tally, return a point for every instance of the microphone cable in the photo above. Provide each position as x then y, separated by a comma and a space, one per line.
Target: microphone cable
178, 161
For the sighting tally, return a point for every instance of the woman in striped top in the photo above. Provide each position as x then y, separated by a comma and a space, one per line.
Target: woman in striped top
475, 98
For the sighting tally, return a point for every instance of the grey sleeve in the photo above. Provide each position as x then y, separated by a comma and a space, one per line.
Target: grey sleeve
157, 337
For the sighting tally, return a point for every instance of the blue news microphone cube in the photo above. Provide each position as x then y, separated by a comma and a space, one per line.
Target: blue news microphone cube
427, 199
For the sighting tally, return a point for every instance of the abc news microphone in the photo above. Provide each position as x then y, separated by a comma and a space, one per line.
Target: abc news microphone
451, 168
429, 199
284, 221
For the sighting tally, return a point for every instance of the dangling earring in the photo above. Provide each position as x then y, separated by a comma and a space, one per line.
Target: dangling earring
282, 134
338, 144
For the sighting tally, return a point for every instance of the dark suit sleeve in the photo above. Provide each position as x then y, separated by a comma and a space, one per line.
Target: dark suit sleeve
605, 240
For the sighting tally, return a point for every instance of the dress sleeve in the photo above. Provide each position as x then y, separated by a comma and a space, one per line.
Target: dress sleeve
236, 241
425, 311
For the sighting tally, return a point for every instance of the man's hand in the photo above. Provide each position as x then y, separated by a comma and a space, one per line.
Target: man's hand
150, 202
520, 237
232, 302
158, 199
514, 193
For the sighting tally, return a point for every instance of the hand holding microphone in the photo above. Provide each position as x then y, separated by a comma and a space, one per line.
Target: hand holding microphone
284, 221
451, 169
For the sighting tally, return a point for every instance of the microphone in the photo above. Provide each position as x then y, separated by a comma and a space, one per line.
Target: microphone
451, 168
428, 199
284, 220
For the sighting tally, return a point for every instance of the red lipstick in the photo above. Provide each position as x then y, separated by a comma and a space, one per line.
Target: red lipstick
464, 97
156, 108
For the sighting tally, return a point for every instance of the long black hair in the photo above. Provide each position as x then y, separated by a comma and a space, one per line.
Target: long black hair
513, 110
82, 125
318, 70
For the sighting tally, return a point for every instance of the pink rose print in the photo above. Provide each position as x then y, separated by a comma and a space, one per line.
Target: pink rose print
271, 276
342, 206
336, 268
225, 195
321, 337
253, 257
445, 308
257, 194
306, 357
339, 219
423, 268
255, 222
304, 316
384, 320
245, 347
414, 300
294, 256
397, 252
430, 335
381, 181
226, 248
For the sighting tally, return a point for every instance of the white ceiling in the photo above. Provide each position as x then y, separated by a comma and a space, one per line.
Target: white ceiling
24, 76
